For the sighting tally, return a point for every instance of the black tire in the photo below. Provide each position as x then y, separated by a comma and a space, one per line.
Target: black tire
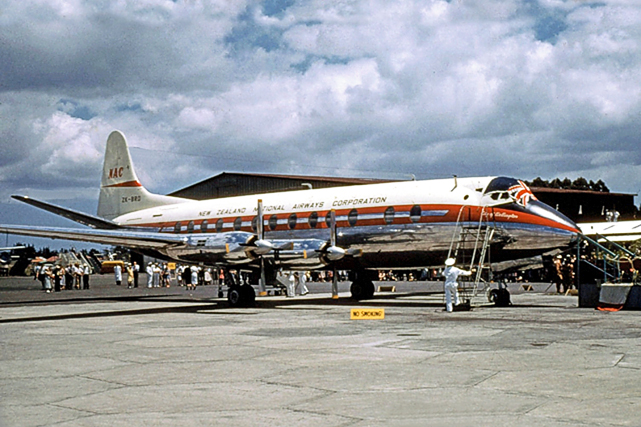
248, 295
362, 289
493, 296
234, 296
241, 296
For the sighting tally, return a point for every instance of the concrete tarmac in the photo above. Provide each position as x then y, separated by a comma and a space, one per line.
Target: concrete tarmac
164, 357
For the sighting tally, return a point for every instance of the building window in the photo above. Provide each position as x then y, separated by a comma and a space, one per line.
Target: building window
313, 219
352, 218
291, 221
190, 227
178, 227
389, 215
219, 225
238, 223
203, 226
273, 222
415, 213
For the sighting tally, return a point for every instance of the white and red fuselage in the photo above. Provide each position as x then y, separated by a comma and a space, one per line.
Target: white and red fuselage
399, 224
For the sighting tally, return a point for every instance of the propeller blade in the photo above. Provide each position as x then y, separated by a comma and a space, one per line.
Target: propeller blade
260, 229
332, 227
263, 247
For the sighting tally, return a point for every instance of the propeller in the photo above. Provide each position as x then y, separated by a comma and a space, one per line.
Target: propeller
330, 253
262, 247
334, 253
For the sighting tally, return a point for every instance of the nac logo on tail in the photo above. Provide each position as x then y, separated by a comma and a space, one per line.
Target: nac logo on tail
115, 173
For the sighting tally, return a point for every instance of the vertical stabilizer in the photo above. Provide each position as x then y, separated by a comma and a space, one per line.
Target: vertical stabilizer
120, 190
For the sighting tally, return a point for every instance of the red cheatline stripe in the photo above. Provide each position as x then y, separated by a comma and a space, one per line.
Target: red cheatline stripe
125, 184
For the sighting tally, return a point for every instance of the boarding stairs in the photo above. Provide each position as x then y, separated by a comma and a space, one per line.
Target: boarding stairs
470, 246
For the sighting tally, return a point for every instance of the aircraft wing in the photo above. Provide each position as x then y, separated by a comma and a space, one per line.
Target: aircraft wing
80, 217
619, 231
132, 239
234, 247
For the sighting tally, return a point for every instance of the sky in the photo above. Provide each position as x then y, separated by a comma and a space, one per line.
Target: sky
376, 88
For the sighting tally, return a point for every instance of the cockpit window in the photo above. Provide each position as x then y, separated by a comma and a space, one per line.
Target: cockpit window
509, 189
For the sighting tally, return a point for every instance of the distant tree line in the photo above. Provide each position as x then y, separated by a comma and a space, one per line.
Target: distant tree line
566, 184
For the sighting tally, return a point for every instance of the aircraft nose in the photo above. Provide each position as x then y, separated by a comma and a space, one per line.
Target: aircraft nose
541, 209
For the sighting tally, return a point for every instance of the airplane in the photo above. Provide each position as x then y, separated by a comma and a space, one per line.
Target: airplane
361, 228
614, 231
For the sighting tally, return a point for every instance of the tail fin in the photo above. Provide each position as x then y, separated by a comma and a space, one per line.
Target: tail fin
120, 190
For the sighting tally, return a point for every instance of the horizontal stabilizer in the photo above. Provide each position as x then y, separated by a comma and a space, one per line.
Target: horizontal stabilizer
80, 217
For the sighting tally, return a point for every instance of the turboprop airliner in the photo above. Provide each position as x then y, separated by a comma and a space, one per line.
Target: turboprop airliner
361, 228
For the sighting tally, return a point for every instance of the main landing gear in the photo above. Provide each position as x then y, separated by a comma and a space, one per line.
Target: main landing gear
241, 296
362, 286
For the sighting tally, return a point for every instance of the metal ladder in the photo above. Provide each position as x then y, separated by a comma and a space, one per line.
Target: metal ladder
480, 235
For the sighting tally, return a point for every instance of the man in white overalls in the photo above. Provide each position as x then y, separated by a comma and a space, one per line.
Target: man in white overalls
451, 274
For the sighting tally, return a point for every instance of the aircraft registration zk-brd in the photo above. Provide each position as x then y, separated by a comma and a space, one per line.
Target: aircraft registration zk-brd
361, 228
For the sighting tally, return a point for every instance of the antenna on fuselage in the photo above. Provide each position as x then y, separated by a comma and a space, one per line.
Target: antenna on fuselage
455, 183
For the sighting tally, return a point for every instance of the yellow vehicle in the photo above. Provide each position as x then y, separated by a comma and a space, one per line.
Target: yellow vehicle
108, 266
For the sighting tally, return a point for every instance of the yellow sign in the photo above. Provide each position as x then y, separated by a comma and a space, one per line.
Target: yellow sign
171, 265
367, 313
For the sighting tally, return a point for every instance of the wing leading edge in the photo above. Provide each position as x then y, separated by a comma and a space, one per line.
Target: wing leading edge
142, 240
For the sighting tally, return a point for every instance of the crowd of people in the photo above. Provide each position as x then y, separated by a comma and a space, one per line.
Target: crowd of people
57, 277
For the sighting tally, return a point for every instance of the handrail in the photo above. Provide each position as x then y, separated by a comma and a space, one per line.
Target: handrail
598, 245
598, 268
619, 247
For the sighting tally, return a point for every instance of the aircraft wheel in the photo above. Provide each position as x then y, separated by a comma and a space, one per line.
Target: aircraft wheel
492, 295
362, 289
234, 296
248, 295
241, 296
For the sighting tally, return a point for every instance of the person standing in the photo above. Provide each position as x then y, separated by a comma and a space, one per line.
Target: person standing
136, 273
77, 273
157, 272
85, 276
301, 282
208, 277
69, 277
118, 274
58, 275
130, 276
48, 275
291, 285
451, 275
150, 275
194, 278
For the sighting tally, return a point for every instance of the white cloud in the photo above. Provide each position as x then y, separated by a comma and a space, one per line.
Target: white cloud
349, 88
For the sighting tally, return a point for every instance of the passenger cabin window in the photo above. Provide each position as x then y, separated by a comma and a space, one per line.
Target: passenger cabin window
389, 215
352, 218
328, 220
291, 221
203, 226
219, 225
178, 227
415, 213
190, 227
238, 223
273, 222
313, 219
